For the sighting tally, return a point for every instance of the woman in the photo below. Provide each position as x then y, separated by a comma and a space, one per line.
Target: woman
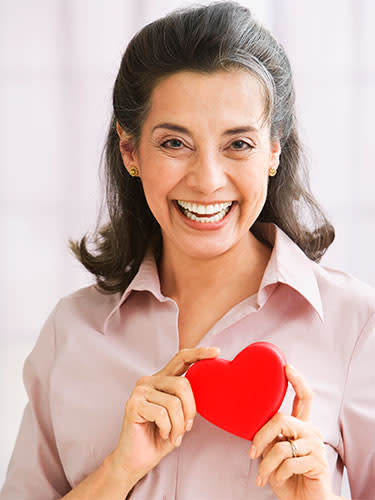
208, 244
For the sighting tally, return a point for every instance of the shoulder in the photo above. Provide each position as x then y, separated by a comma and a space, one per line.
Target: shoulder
344, 294
87, 305
344, 285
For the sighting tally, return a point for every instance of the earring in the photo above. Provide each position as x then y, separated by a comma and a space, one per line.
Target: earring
272, 171
133, 171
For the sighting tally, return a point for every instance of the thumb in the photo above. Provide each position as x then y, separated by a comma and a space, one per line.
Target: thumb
185, 357
303, 399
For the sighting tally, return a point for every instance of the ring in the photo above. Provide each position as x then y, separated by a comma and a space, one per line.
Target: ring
294, 448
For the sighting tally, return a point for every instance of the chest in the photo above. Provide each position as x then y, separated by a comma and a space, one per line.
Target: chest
106, 374
195, 320
193, 326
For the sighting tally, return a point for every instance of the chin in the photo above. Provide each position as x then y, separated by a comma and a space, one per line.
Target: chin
204, 251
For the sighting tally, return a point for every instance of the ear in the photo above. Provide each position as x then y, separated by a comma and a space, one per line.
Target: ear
275, 153
127, 148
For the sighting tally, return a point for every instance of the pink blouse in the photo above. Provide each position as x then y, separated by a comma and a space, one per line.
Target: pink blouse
93, 348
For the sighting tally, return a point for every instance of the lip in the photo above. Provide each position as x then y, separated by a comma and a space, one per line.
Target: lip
207, 202
209, 226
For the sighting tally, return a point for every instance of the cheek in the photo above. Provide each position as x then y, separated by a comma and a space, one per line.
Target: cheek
256, 185
160, 177
157, 186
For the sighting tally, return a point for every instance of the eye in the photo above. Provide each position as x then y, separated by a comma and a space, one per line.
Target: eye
173, 143
240, 145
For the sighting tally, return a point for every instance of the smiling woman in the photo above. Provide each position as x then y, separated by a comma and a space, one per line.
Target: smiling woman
202, 167
161, 92
213, 237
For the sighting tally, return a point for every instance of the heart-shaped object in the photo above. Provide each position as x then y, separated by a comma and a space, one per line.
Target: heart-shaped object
241, 395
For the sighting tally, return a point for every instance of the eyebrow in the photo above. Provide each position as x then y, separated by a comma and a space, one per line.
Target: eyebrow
230, 131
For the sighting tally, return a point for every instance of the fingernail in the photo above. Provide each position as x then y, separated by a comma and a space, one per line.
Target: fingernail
292, 369
178, 440
214, 349
189, 425
259, 481
253, 451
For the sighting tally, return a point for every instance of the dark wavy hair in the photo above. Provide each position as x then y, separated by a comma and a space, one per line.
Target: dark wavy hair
217, 37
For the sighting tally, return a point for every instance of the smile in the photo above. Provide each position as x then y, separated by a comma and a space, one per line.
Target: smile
204, 214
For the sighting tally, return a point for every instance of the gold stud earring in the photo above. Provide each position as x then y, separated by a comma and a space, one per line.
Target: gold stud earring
133, 171
272, 171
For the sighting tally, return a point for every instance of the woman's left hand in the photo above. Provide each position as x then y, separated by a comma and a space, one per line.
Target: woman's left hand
306, 476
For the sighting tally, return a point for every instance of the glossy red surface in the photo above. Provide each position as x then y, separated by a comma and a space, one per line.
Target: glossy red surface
241, 395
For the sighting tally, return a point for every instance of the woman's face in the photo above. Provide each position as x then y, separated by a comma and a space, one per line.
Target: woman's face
203, 151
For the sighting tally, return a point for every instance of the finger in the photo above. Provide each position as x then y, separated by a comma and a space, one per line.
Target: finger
287, 425
165, 391
281, 451
150, 412
268, 448
181, 388
307, 465
185, 357
174, 408
270, 445
303, 399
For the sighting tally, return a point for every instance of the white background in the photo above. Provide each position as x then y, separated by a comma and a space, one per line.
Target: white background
58, 62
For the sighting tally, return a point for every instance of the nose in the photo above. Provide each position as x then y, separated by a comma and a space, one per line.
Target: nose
206, 173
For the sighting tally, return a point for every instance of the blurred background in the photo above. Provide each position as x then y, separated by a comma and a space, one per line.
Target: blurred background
58, 62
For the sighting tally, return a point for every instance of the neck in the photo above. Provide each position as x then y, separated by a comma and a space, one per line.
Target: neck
239, 270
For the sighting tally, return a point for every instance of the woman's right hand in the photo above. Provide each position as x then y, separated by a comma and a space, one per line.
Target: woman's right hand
157, 414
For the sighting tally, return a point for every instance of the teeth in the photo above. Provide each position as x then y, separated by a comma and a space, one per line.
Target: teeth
205, 220
204, 209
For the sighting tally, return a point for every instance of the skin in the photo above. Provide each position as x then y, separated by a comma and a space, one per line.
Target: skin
203, 164
206, 166
307, 476
160, 409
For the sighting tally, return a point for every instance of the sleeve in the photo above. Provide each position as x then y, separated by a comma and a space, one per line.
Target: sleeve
357, 416
35, 471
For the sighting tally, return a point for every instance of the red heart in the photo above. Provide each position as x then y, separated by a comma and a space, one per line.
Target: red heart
241, 395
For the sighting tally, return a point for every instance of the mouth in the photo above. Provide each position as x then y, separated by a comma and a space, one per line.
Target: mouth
204, 214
